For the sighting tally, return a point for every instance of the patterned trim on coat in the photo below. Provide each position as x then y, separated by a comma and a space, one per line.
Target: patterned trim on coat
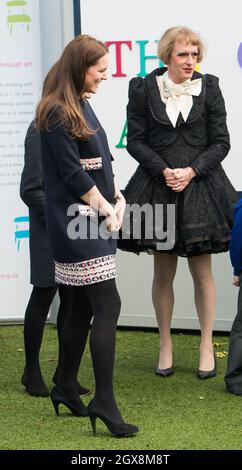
87, 210
87, 272
91, 163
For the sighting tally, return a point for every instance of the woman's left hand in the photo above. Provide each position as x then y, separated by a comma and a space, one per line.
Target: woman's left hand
119, 207
182, 178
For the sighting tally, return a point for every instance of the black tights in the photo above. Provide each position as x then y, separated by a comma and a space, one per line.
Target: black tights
34, 322
101, 301
35, 317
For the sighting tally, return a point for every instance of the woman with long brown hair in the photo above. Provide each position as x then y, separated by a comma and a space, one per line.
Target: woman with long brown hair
84, 211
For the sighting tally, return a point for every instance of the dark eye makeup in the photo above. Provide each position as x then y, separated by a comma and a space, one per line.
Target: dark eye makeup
186, 54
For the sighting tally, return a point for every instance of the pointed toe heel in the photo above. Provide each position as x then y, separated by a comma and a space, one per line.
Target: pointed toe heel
208, 374
164, 372
116, 429
75, 404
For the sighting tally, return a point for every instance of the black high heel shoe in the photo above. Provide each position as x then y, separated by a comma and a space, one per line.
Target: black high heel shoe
76, 407
119, 430
33, 381
207, 374
80, 389
164, 372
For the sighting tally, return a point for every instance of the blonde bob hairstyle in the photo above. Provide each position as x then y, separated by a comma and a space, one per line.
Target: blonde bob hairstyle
178, 33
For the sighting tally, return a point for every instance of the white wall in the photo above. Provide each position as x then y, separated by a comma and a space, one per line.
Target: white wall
57, 29
38, 41
20, 82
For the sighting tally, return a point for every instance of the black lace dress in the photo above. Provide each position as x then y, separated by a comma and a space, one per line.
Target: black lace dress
203, 212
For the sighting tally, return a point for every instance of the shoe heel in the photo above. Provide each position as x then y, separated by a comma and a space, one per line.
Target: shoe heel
93, 423
207, 374
55, 404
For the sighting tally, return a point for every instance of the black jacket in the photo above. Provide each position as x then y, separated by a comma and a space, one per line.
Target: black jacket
71, 167
150, 130
42, 273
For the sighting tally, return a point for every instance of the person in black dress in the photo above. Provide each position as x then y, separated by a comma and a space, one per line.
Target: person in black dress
42, 271
177, 132
84, 211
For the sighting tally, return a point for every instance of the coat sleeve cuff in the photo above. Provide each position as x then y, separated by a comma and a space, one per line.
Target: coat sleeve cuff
80, 183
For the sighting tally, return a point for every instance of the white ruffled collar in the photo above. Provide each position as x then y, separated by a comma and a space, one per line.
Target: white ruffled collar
178, 97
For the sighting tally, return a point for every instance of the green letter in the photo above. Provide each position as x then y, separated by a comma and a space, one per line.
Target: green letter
144, 57
121, 145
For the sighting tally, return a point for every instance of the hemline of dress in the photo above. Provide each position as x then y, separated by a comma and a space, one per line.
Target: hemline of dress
86, 272
182, 251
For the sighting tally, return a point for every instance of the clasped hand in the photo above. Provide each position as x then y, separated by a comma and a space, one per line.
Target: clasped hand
178, 178
114, 218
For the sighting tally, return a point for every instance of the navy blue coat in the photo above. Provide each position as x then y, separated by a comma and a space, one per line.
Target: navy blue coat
71, 168
42, 271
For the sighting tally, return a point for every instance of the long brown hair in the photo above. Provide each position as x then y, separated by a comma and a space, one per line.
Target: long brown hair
64, 86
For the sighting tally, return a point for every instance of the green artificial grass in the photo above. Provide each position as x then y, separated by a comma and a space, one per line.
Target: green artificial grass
179, 412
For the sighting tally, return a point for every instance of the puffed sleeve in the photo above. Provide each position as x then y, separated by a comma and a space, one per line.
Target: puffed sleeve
31, 185
219, 142
137, 136
66, 153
